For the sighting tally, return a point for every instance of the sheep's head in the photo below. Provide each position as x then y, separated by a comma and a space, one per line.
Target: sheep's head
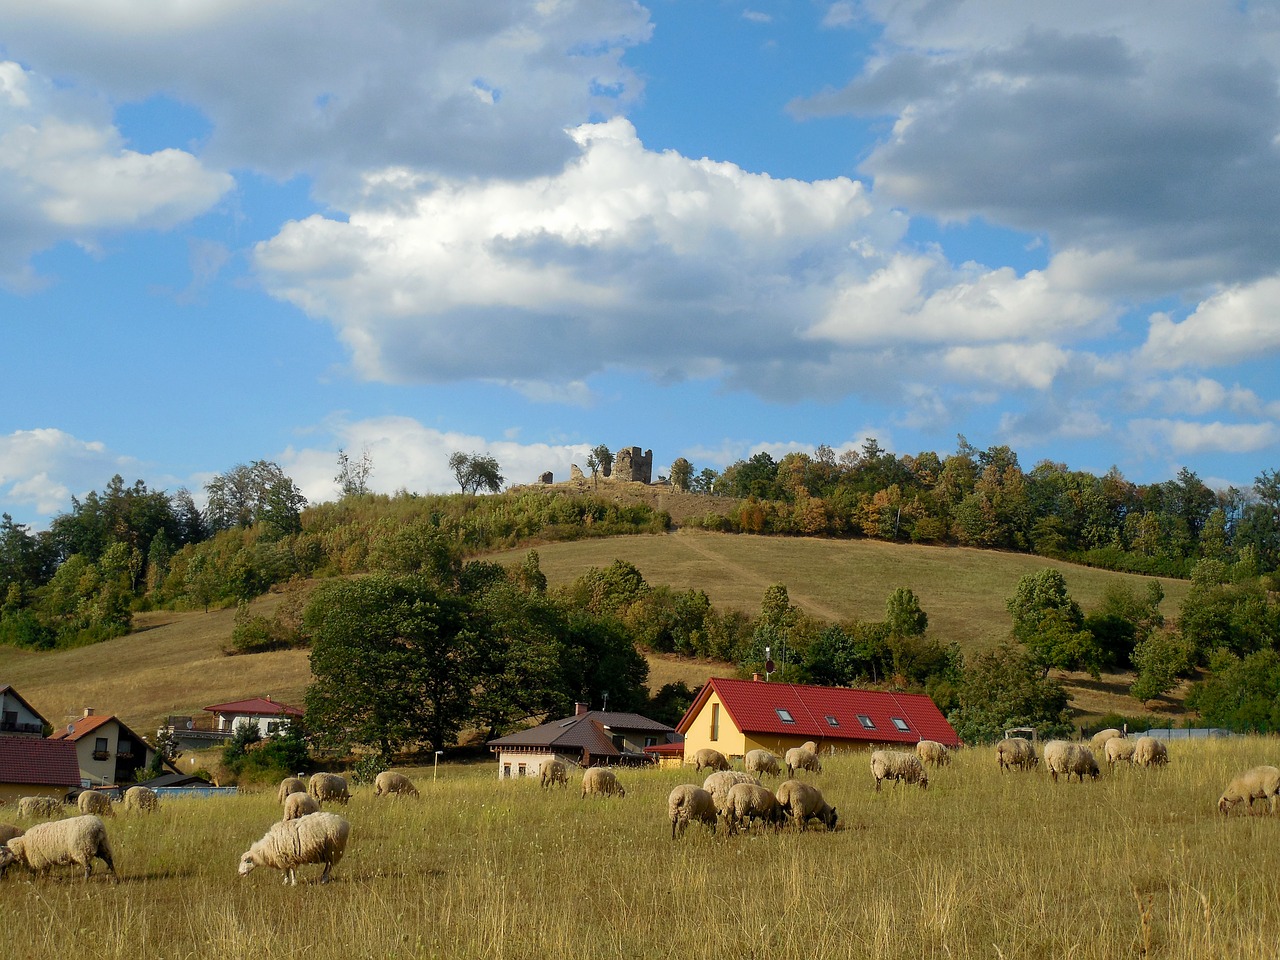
622, 791
7, 856
246, 864
1225, 803
829, 817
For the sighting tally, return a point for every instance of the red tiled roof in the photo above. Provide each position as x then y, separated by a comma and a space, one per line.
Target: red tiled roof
81, 727
753, 706
667, 749
45, 763
256, 706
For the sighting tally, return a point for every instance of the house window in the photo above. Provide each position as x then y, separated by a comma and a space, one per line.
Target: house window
273, 726
520, 770
900, 724
784, 715
650, 741
866, 721
506, 771
124, 749
715, 721
832, 721
100, 748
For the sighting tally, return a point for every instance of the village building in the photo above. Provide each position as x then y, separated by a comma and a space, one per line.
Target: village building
588, 738
221, 720
107, 751
17, 717
35, 767
735, 716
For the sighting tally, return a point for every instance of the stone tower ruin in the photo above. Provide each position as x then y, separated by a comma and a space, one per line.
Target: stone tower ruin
630, 463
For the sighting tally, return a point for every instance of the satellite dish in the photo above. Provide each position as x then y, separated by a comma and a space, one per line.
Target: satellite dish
770, 666
71, 728
190, 725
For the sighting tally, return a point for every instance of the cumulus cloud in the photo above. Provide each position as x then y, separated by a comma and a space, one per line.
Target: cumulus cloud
1240, 323
1190, 438
40, 470
1201, 396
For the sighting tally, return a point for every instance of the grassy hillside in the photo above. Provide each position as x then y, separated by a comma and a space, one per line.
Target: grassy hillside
173, 662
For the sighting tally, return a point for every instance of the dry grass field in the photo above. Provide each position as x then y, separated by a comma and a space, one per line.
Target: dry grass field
982, 864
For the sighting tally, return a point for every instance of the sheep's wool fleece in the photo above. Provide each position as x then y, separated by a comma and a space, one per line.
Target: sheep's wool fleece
315, 838
77, 840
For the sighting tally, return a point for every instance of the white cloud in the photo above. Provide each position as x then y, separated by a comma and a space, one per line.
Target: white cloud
756, 16
1189, 438
1184, 396
1234, 325
40, 470
1032, 365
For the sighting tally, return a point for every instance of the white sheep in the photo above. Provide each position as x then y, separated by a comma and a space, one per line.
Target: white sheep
553, 772
601, 781
289, 844
1119, 750
393, 784
1150, 752
761, 762
688, 802
1258, 783
804, 802
290, 785
1099, 739
798, 758
39, 808
141, 799
7, 832
809, 745
720, 783
299, 805
92, 801
750, 801
933, 752
1016, 752
1063, 756
328, 787
709, 759
75, 841
898, 766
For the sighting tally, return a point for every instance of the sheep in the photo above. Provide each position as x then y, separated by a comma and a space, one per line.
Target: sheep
7, 832
1119, 750
710, 759
553, 772
804, 802
809, 745
761, 762
299, 805
1016, 752
141, 799
1099, 740
1150, 752
75, 841
1063, 756
99, 804
687, 803
393, 784
719, 784
39, 808
932, 752
601, 781
289, 844
328, 786
1258, 783
749, 801
798, 758
898, 765
290, 785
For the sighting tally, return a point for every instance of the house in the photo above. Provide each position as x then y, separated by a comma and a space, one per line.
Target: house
19, 718
588, 738
271, 717
35, 767
734, 716
108, 752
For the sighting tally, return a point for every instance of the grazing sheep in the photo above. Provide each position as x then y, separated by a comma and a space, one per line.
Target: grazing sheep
749, 801
898, 765
7, 832
1099, 739
1119, 750
393, 784
1016, 752
798, 758
710, 759
554, 772
687, 803
809, 745
39, 808
1259, 783
933, 752
1150, 752
804, 802
99, 804
328, 786
719, 784
75, 841
290, 785
299, 805
1063, 756
761, 762
289, 844
141, 799
601, 781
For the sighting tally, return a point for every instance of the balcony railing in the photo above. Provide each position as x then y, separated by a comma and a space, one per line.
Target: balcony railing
12, 726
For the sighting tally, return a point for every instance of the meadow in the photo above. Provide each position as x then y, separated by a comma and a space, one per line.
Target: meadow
982, 864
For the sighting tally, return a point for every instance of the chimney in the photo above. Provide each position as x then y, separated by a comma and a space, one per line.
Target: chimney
88, 711
580, 709
756, 677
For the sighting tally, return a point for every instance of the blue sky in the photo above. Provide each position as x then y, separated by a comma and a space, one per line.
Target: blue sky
270, 230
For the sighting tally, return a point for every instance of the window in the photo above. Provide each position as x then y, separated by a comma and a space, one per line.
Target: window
900, 724
521, 768
866, 721
715, 721
100, 748
124, 749
650, 741
832, 721
784, 715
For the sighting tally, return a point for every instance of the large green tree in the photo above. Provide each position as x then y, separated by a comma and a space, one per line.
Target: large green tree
1051, 624
256, 493
1004, 688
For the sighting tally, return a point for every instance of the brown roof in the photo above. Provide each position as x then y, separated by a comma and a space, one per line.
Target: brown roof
45, 763
589, 731
256, 706
77, 729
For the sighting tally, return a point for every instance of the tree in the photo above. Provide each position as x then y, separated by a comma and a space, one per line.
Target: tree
604, 457
681, 473
1242, 694
1051, 624
259, 493
475, 472
593, 464
1160, 659
903, 616
353, 476
1004, 688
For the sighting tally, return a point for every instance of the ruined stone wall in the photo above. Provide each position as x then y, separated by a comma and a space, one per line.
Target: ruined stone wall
630, 463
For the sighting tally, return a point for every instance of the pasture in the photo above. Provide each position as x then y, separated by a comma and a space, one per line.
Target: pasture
982, 864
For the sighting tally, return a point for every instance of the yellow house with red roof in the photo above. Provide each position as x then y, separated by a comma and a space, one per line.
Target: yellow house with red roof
108, 751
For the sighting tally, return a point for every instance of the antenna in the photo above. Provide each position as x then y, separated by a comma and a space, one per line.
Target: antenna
604, 695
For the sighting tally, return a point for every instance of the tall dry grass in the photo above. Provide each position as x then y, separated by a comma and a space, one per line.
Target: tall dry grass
1138, 864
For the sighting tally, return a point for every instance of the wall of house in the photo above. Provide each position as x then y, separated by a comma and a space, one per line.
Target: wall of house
16, 718
513, 764
269, 726
10, 793
727, 738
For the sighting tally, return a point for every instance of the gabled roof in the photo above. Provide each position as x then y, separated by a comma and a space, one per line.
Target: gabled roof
82, 727
590, 731
8, 691
176, 780
256, 707
825, 713
38, 762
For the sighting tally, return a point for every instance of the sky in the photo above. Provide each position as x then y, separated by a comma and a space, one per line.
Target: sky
273, 229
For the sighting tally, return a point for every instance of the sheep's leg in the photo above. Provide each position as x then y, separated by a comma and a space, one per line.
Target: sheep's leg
324, 877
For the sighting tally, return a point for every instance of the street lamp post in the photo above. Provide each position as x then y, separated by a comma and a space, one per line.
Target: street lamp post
435, 768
